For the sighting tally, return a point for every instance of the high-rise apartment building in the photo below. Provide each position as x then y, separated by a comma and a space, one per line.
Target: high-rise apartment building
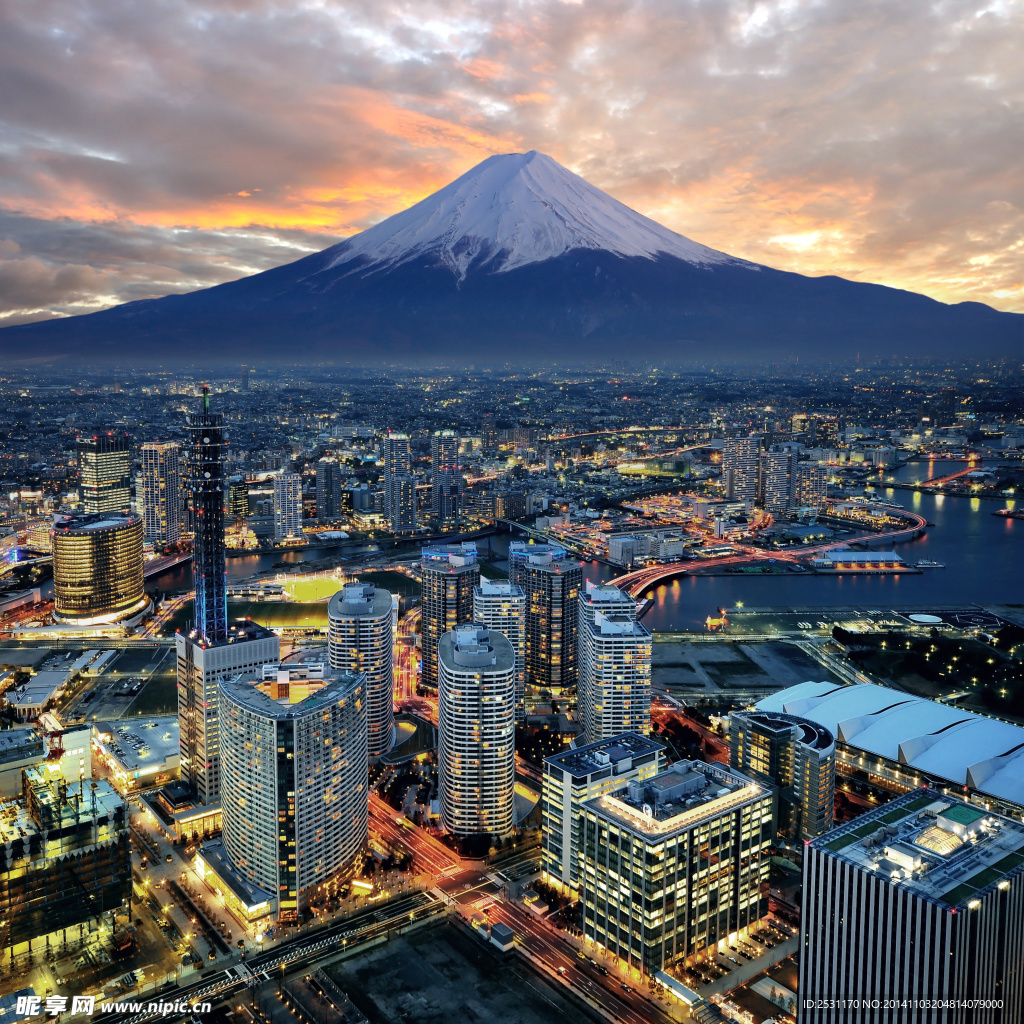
287, 506
330, 483
739, 468
445, 479
360, 640
161, 492
797, 756
552, 584
577, 775
811, 487
399, 484
448, 575
500, 605
104, 472
614, 683
777, 480
294, 794
97, 568
476, 755
913, 913
693, 843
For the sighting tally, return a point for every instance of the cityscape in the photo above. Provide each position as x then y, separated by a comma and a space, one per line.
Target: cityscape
511, 513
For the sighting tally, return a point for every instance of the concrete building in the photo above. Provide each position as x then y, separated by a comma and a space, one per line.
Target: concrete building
795, 755
139, 752
360, 640
577, 775
104, 473
97, 568
399, 484
919, 900
614, 683
811, 485
161, 492
287, 506
294, 785
445, 479
898, 742
693, 841
31, 745
552, 583
448, 575
777, 480
330, 484
502, 606
739, 468
476, 755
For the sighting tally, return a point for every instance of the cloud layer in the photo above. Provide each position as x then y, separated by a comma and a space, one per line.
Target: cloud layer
160, 147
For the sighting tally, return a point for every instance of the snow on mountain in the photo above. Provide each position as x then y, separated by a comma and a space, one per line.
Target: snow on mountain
510, 211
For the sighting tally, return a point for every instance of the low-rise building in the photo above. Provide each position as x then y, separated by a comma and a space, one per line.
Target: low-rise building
139, 752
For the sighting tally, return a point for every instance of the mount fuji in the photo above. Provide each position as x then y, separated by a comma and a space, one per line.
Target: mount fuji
522, 260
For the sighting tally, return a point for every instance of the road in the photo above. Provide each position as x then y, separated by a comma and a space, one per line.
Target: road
429, 854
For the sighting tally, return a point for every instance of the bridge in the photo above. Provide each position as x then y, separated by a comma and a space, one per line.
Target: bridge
155, 566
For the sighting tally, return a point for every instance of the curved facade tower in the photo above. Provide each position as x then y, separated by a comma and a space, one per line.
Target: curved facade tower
361, 639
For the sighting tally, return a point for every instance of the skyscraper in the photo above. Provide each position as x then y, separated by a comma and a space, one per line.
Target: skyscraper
500, 605
360, 639
912, 913
777, 481
104, 472
448, 575
446, 482
295, 799
552, 584
161, 492
329, 484
811, 487
476, 731
211, 650
739, 468
399, 484
287, 506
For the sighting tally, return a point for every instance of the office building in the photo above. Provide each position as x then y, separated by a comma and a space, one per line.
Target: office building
104, 472
739, 468
360, 641
330, 483
399, 484
448, 575
287, 506
502, 606
811, 486
211, 650
795, 755
445, 479
614, 683
238, 497
97, 568
693, 844
476, 755
552, 583
161, 492
777, 491
294, 796
920, 899
577, 775
897, 744
65, 863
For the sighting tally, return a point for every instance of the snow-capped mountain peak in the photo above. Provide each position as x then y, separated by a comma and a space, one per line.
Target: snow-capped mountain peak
510, 211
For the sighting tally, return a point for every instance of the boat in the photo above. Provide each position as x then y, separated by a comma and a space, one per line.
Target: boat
927, 563
1010, 513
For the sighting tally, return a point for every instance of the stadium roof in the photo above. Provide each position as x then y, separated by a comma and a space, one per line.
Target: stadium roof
942, 741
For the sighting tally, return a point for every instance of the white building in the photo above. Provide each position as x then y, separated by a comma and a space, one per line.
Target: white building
476, 731
294, 791
161, 492
287, 506
361, 639
502, 606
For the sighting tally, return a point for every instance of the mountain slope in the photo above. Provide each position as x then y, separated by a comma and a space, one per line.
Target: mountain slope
521, 259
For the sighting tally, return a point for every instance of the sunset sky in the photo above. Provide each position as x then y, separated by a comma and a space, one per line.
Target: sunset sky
161, 146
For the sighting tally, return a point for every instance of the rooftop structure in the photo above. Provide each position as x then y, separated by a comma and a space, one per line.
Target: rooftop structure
139, 751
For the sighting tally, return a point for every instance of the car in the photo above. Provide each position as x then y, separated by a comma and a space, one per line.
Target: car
562, 971
734, 960
213, 956
169, 858
625, 987
143, 865
601, 969
580, 955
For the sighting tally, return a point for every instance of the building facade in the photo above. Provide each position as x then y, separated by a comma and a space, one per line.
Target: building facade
577, 775
399, 484
675, 864
97, 568
295, 800
448, 575
777, 480
739, 468
330, 484
104, 472
360, 640
811, 486
161, 492
476, 755
445, 479
502, 606
911, 913
287, 506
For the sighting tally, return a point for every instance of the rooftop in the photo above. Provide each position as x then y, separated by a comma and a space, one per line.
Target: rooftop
248, 893
811, 733
617, 624
939, 740
238, 632
83, 522
360, 599
940, 848
498, 588
452, 554
616, 754
142, 745
476, 647
249, 694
